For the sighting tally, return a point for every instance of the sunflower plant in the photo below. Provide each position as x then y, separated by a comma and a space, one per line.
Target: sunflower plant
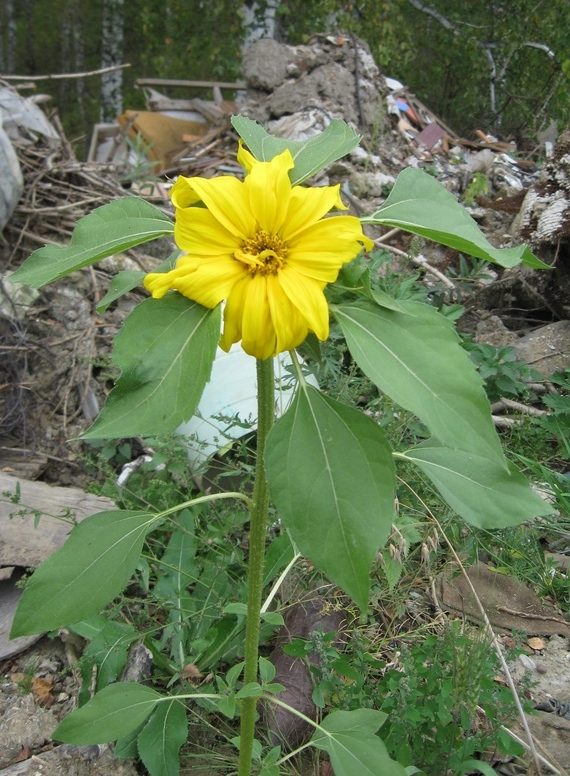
262, 251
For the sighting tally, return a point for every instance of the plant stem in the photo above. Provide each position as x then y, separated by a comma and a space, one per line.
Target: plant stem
257, 531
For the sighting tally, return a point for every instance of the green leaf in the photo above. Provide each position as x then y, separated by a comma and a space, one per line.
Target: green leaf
479, 490
350, 739
161, 738
250, 690
418, 361
107, 230
91, 569
128, 279
330, 473
310, 156
126, 747
237, 607
109, 649
109, 715
266, 670
227, 705
356, 276
279, 553
165, 351
272, 618
421, 205
178, 569
120, 284
468, 766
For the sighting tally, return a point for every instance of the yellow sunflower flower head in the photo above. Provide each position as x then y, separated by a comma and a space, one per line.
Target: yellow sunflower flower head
263, 245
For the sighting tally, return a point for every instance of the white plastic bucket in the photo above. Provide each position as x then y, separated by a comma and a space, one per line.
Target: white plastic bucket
231, 393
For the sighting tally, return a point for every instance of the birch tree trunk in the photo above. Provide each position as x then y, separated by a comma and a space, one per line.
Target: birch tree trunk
10, 12
112, 54
259, 20
73, 61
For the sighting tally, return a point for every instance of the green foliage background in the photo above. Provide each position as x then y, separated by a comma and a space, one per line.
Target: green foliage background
447, 68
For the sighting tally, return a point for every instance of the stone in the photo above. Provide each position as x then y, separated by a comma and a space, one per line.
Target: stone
546, 349
265, 64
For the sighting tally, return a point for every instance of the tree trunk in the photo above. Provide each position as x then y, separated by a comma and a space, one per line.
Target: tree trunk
112, 54
10, 37
259, 20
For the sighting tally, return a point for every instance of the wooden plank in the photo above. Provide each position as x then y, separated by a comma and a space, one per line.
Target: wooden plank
201, 84
22, 543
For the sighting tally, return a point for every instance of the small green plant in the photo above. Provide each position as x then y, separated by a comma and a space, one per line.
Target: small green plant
432, 699
433, 691
479, 187
140, 167
503, 373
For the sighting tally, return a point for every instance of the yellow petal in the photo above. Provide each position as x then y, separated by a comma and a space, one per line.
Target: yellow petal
258, 335
269, 188
226, 198
244, 157
182, 193
158, 284
290, 326
328, 233
206, 281
307, 296
233, 313
198, 232
211, 281
307, 206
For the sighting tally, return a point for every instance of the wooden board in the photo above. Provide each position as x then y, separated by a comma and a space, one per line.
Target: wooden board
22, 543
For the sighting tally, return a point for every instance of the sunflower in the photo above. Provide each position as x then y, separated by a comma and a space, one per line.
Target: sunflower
263, 245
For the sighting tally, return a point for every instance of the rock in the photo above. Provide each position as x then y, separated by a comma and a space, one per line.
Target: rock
371, 184
265, 64
492, 331
301, 620
25, 725
546, 349
97, 760
552, 734
284, 80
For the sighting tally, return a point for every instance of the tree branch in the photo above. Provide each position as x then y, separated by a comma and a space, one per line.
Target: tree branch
62, 76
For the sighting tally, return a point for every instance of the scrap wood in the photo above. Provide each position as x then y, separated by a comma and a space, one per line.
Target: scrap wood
22, 542
162, 134
509, 603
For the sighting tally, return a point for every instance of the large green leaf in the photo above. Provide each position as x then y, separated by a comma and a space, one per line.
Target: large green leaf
310, 156
107, 230
91, 568
110, 714
421, 205
416, 359
479, 490
331, 475
165, 351
350, 739
161, 738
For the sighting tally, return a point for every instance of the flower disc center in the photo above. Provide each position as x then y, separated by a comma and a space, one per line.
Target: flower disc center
263, 253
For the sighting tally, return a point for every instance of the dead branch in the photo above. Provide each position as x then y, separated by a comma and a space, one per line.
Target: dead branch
63, 76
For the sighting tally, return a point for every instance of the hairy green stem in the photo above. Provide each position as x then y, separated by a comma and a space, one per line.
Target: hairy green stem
257, 532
